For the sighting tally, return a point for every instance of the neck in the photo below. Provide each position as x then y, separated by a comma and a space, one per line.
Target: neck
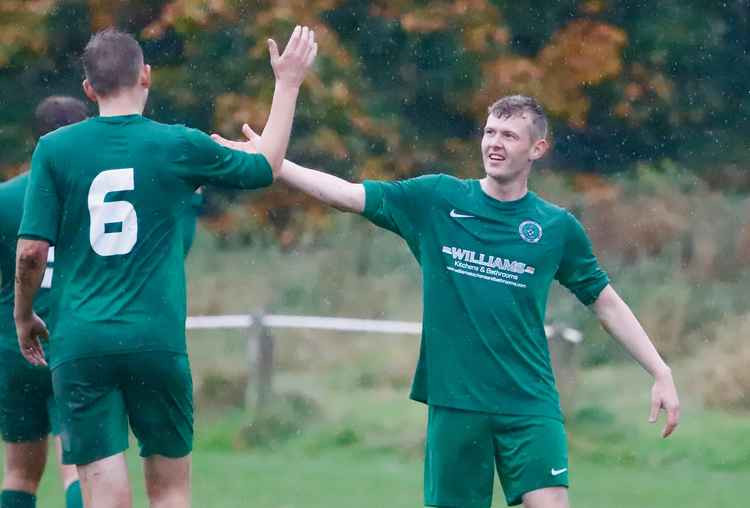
504, 191
121, 104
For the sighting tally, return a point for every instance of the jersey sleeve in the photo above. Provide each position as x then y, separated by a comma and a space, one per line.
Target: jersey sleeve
189, 221
579, 270
398, 206
201, 160
41, 210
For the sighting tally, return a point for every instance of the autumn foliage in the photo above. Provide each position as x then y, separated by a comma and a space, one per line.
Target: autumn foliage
401, 88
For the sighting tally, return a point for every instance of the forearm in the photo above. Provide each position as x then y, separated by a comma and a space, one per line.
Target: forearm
275, 136
620, 322
31, 261
329, 189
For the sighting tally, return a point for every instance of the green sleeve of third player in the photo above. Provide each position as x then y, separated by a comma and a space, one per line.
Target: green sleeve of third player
42, 202
399, 206
201, 161
579, 271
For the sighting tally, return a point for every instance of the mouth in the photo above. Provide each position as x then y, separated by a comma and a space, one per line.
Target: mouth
496, 157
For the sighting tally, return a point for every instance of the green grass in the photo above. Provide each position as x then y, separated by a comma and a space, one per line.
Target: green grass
360, 444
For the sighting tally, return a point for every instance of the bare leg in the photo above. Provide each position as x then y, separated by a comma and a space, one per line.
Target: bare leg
167, 481
550, 497
24, 465
68, 473
105, 483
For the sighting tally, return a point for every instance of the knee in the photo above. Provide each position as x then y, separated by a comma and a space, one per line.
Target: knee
21, 478
23, 467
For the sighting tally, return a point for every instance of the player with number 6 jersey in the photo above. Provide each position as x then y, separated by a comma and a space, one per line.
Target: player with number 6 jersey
109, 194
115, 213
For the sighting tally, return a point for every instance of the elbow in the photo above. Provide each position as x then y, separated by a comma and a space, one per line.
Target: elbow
31, 254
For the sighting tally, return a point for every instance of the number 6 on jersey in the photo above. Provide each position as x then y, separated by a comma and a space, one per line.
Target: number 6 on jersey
123, 238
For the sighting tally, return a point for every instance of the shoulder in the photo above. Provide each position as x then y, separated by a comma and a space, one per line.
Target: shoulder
67, 133
15, 184
552, 211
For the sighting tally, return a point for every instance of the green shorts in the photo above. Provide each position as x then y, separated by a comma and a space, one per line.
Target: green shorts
27, 408
464, 447
97, 397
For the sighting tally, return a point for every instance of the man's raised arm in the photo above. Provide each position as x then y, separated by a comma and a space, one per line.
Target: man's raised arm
289, 69
329, 189
617, 318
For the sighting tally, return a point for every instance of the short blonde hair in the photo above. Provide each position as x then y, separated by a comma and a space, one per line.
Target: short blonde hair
512, 105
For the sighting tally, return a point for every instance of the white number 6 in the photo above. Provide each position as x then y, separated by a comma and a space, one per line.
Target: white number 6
111, 212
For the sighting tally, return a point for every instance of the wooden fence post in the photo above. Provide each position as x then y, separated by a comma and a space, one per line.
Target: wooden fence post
260, 349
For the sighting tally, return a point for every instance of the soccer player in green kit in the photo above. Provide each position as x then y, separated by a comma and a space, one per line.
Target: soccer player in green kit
27, 409
108, 193
489, 250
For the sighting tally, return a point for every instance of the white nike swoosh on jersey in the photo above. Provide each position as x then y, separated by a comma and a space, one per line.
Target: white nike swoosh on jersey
555, 472
457, 215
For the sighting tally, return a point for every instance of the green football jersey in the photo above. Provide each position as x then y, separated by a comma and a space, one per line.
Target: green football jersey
190, 221
109, 193
11, 196
487, 267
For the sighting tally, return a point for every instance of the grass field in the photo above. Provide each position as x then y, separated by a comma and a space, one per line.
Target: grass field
356, 445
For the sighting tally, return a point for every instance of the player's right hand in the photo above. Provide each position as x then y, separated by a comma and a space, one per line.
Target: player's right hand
251, 145
291, 66
29, 331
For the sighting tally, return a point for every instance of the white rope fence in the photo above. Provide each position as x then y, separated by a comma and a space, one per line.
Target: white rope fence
261, 343
234, 321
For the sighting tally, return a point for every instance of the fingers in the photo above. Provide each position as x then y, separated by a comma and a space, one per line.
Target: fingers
273, 50
33, 352
234, 145
311, 55
250, 134
655, 406
294, 40
673, 419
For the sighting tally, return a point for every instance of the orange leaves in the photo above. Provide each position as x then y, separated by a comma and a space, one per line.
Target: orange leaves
193, 12
478, 22
232, 110
644, 88
22, 27
582, 54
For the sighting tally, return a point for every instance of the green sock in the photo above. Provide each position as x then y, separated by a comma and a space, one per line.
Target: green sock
17, 499
73, 498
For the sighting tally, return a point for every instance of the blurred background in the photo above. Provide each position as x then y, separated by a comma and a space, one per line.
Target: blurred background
649, 102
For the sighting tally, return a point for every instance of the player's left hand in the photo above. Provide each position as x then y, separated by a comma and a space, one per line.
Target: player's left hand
664, 396
29, 331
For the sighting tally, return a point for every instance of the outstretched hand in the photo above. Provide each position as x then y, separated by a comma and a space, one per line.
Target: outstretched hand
250, 145
664, 396
291, 66
29, 331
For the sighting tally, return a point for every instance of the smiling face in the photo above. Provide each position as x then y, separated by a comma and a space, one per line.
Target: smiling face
509, 146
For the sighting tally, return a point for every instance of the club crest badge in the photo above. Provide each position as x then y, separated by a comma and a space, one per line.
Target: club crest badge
530, 231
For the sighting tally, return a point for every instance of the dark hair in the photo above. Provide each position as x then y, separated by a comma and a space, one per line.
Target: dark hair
56, 111
112, 60
511, 105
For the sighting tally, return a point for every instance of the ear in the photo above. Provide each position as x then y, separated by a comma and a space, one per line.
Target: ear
89, 91
145, 78
538, 150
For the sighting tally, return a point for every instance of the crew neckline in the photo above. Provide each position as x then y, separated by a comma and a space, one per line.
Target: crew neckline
498, 203
119, 118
